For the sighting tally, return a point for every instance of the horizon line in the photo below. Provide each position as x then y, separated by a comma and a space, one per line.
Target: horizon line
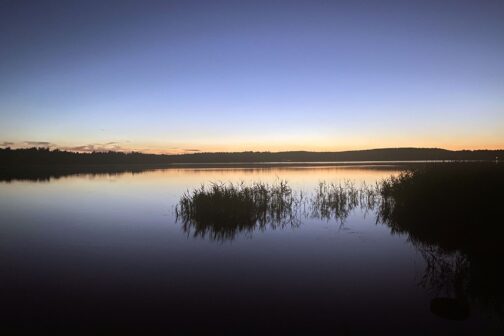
196, 152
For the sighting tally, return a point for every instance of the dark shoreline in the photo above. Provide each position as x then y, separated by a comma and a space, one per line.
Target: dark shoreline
41, 164
36, 156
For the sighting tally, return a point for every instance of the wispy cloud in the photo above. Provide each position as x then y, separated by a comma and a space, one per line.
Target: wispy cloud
39, 143
98, 147
116, 146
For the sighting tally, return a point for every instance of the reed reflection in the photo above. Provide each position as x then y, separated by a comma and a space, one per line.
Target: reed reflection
450, 213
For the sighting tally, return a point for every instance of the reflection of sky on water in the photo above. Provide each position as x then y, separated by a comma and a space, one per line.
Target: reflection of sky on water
117, 235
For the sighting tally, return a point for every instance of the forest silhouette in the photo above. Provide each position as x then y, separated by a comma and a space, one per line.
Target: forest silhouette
43, 164
45, 156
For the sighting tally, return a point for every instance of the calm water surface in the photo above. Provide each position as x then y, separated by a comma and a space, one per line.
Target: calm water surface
106, 251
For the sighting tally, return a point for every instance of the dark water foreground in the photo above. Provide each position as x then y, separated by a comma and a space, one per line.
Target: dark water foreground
334, 250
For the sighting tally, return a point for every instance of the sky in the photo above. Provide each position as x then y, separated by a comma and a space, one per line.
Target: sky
187, 76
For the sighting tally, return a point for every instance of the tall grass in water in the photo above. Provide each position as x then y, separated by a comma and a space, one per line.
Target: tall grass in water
336, 201
222, 210
452, 205
456, 210
452, 213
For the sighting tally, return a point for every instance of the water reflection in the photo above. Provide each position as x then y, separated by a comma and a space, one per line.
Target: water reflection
450, 213
109, 247
46, 173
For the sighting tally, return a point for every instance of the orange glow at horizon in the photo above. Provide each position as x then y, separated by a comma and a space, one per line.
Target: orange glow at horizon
158, 148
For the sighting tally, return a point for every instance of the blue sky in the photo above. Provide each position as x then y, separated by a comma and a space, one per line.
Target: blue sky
176, 76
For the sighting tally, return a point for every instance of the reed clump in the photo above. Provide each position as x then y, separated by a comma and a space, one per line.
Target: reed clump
222, 210
455, 210
451, 212
456, 205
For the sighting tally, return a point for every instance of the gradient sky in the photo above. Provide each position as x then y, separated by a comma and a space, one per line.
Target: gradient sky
182, 76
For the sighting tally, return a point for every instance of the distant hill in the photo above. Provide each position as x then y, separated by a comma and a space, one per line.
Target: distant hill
44, 156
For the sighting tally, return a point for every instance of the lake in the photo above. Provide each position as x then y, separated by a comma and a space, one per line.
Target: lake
107, 251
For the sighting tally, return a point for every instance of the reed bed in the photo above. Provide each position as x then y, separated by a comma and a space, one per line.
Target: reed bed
452, 213
439, 199
221, 210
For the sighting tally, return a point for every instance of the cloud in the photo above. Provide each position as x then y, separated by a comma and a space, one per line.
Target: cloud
115, 146
29, 143
83, 148
98, 147
39, 143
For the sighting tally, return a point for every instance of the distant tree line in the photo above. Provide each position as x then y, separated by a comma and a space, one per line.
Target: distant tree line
45, 156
